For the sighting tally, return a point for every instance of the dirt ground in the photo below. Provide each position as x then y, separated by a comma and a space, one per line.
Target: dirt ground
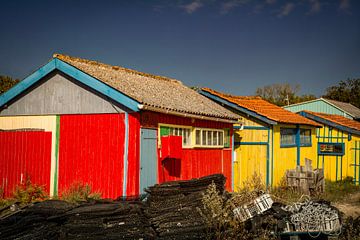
350, 206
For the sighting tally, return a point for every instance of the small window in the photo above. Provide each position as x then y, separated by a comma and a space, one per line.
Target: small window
305, 137
209, 138
287, 137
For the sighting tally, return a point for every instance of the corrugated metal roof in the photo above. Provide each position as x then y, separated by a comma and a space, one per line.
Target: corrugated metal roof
347, 107
156, 92
264, 108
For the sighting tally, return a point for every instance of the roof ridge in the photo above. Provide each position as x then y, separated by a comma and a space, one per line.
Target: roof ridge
234, 96
115, 68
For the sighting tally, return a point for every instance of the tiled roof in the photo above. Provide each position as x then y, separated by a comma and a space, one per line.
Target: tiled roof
340, 120
264, 108
154, 92
347, 107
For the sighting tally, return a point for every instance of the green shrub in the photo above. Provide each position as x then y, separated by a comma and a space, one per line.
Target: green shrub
79, 192
28, 192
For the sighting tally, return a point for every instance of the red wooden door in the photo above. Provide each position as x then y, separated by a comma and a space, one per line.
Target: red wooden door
24, 154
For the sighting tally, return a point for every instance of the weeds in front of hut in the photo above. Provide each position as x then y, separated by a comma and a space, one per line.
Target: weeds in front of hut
28, 192
340, 190
79, 192
218, 214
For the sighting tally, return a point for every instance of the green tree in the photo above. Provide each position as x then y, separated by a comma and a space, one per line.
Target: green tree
346, 91
282, 94
6, 83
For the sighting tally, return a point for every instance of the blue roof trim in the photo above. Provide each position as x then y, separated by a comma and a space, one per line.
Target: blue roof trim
27, 82
329, 123
237, 107
74, 73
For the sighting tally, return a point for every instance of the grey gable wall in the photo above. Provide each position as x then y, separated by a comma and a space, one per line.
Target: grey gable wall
59, 94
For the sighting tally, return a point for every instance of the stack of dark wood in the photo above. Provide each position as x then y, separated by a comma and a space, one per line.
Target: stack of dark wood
61, 220
173, 207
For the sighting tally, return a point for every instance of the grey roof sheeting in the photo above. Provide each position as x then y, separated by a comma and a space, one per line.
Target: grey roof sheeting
347, 107
155, 92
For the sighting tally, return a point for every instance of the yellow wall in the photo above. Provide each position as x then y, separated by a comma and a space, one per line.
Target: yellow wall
337, 168
252, 158
285, 158
48, 123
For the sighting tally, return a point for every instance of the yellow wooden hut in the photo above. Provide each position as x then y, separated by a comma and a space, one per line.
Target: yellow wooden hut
269, 139
338, 145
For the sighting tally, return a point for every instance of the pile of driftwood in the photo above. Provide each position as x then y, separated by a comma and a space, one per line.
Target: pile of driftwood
173, 207
169, 212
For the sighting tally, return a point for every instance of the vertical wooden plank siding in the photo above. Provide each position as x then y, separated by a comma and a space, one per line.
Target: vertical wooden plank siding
133, 176
287, 157
195, 162
337, 167
91, 151
47, 123
24, 154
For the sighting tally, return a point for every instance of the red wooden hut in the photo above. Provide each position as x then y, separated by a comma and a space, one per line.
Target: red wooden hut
119, 130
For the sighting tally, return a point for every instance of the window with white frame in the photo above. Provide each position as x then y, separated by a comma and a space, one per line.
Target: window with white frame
209, 137
184, 132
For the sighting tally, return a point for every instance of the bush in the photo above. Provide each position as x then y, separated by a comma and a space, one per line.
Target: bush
28, 192
79, 192
218, 212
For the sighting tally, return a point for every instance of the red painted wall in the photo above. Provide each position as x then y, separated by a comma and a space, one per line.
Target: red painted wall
24, 153
91, 151
132, 188
195, 162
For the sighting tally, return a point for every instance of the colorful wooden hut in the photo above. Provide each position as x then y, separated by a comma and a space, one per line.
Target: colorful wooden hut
271, 139
338, 145
116, 129
328, 106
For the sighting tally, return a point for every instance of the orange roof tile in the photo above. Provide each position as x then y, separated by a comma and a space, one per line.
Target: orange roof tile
264, 108
340, 120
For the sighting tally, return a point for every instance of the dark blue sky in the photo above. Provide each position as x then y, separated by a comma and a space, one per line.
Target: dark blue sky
233, 46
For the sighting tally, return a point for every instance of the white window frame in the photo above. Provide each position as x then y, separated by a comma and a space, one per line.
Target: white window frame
209, 132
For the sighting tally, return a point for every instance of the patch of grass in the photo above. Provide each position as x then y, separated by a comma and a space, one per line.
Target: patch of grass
340, 190
79, 192
284, 194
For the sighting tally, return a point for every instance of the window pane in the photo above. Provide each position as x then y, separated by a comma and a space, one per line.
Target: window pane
186, 137
180, 132
305, 136
221, 138
209, 138
204, 137
215, 138
164, 131
198, 137
287, 136
227, 138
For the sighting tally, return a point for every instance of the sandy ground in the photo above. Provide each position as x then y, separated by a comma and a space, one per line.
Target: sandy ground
350, 206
